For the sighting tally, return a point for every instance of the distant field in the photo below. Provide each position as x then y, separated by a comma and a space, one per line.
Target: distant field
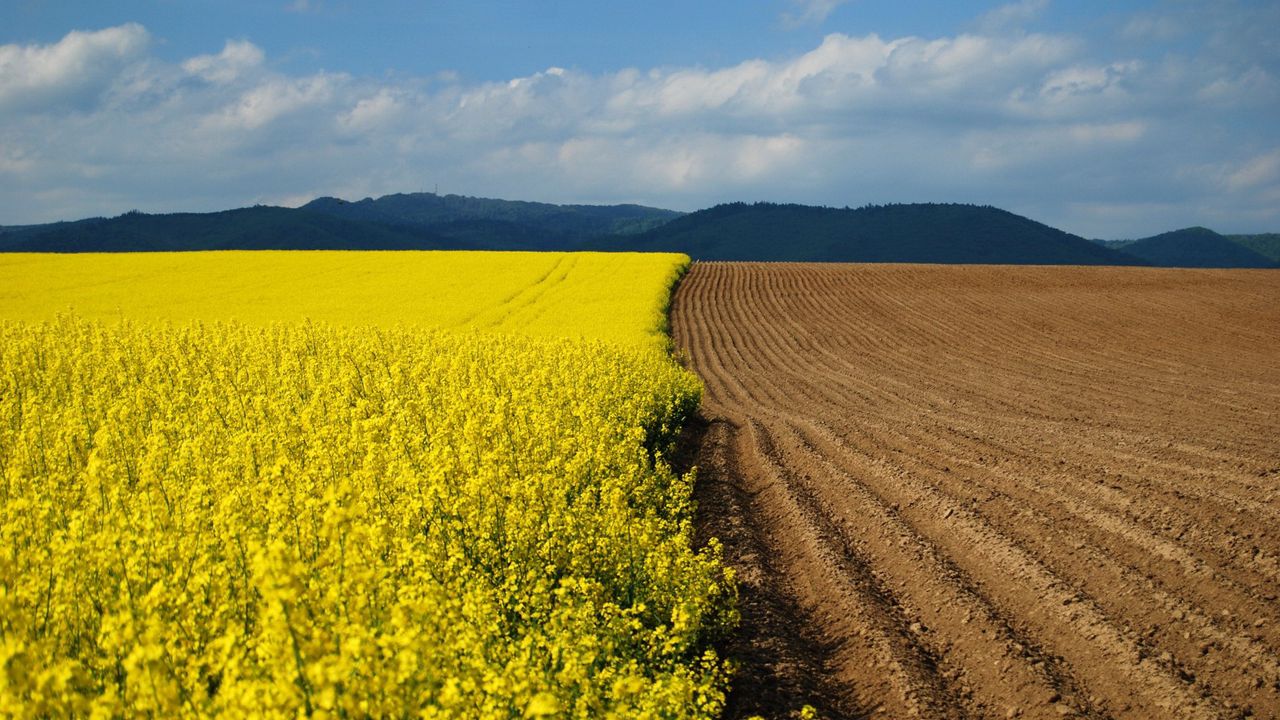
618, 297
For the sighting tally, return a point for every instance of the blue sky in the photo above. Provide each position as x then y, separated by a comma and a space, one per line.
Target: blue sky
1109, 119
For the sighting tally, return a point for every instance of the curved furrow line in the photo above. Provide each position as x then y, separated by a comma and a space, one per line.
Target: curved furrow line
739, 314
761, 343
725, 354
1179, 474
693, 330
785, 660
855, 609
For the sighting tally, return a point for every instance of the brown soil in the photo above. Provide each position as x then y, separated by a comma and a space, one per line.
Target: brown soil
993, 491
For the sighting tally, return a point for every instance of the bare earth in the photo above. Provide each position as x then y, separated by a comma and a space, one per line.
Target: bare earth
993, 491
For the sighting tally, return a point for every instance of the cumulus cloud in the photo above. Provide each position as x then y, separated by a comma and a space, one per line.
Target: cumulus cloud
868, 75
271, 101
73, 73
1038, 123
377, 112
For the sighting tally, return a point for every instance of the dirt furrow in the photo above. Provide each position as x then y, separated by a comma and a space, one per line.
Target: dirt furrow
993, 491
865, 616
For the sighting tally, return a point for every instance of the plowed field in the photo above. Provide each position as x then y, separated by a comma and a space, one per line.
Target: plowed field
993, 491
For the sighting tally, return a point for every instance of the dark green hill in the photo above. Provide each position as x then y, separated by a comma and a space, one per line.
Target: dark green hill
13, 236
920, 233
393, 222
499, 223
917, 233
255, 228
1265, 244
1197, 247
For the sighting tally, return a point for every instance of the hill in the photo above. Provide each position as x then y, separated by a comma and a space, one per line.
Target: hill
911, 233
392, 222
1265, 244
498, 224
255, 228
1197, 247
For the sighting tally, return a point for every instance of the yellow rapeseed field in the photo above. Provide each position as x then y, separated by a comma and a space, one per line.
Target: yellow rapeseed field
616, 297
296, 506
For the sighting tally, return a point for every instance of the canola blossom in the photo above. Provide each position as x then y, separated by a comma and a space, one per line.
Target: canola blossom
307, 518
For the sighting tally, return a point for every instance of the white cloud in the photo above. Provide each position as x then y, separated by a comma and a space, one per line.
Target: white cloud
374, 113
1078, 87
73, 73
1035, 122
237, 58
272, 100
841, 73
975, 65
694, 161
810, 12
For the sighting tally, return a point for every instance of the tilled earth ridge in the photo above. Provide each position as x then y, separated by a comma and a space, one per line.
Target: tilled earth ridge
987, 491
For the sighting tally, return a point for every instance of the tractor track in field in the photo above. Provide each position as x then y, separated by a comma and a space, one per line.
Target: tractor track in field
988, 491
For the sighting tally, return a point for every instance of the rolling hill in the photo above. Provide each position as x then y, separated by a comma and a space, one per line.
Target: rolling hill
1196, 247
392, 222
915, 233
498, 224
1265, 244
255, 228
909, 233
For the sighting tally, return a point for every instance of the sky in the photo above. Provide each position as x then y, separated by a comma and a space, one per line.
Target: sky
1107, 119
